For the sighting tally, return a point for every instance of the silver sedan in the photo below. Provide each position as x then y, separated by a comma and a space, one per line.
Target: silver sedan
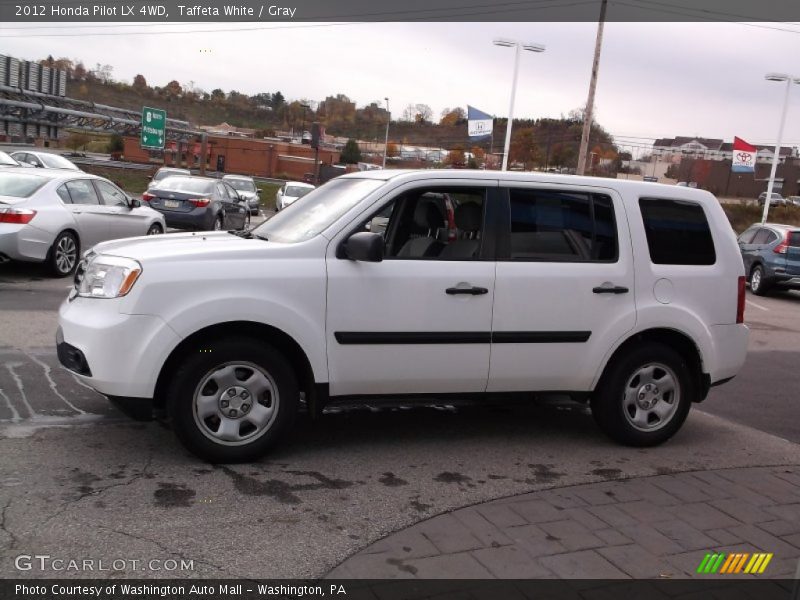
51, 216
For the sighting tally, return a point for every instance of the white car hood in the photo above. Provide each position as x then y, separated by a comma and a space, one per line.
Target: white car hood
186, 246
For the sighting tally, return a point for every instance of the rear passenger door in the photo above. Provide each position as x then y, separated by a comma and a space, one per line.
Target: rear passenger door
564, 288
89, 214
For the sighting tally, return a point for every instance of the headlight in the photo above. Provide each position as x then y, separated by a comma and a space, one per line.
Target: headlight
108, 277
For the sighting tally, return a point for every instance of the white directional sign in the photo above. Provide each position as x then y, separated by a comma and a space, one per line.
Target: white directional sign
154, 128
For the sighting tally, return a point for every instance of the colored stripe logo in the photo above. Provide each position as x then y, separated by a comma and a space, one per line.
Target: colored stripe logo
734, 563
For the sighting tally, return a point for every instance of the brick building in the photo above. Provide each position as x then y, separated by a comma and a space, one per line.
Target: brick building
234, 154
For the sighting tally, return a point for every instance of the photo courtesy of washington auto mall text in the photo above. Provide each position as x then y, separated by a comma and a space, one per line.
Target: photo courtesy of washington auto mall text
399, 299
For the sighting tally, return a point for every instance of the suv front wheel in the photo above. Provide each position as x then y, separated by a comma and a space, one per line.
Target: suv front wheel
232, 399
645, 395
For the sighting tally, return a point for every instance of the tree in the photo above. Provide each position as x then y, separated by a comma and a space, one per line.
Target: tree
173, 89
79, 72
139, 83
77, 140
116, 143
392, 149
277, 100
524, 148
351, 153
453, 117
456, 157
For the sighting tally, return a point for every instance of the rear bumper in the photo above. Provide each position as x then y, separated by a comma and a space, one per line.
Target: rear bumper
199, 218
730, 350
24, 242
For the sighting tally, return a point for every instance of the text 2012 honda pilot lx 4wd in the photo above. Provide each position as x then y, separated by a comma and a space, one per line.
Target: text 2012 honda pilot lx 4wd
625, 294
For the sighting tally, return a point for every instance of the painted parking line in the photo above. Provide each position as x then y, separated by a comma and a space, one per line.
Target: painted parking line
751, 303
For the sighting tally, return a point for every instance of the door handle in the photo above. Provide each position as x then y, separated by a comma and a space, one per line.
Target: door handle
472, 291
610, 289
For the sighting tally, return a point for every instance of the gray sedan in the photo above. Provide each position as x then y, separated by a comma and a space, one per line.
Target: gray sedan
246, 187
51, 216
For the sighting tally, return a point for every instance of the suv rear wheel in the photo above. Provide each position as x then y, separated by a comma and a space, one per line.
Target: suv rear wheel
232, 399
644, 396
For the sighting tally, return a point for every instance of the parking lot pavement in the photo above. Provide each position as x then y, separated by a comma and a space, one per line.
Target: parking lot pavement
641, 528
78, 480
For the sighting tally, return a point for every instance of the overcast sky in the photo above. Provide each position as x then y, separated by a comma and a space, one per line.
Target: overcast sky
656, 79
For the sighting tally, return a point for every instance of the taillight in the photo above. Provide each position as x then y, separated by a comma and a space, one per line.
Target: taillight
200, 202
783, 246
18, 216
740, 301
147, 196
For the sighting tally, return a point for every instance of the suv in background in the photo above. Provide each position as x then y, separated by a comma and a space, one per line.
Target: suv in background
771, 255
165, 172
775, 200
536, 293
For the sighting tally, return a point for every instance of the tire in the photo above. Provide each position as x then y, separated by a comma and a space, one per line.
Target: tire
64, 254
632, 414
246, 224
202, 389
758, 282
219, 223
154, 229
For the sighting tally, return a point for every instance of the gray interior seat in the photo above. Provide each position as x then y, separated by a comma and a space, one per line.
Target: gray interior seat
428, 216
468, 219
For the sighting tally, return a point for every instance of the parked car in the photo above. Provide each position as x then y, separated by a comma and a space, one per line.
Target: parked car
793, 200
247, 189
771, 256
52, 215
6, 160
538, 292
691, 184
290, 192
44, 160
198, 203
775, 200
165, 172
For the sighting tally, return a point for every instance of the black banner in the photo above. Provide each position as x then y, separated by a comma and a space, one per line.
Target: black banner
673, 589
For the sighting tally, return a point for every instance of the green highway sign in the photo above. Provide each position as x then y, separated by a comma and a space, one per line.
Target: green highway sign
154, 128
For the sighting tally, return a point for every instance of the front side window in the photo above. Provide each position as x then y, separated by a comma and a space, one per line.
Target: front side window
431, 223
677, 232
112, 195
82, 192
553, 225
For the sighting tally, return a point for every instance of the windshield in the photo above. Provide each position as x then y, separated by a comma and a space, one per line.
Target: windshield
5, 159
317, 211
186, 184
54, 161
243, 185
295, 191
20, 185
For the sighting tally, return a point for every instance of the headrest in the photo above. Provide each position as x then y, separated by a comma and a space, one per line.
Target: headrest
427, 215
468, 216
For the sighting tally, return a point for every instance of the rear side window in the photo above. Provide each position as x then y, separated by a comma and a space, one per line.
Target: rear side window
747, 236
549, 225
63, 193
762, 237
677, 232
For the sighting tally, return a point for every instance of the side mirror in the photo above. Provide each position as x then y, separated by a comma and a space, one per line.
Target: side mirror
364, 246
134, 203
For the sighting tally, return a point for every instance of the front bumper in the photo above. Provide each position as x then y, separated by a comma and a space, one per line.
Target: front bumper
116, 354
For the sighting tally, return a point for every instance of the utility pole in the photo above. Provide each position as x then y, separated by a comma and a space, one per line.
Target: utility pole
587, 116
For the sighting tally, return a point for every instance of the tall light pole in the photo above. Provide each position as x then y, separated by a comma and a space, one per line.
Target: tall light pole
789, 79
518, 47
589, 112
386, 140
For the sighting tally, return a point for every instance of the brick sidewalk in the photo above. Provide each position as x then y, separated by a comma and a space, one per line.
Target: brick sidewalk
647, 527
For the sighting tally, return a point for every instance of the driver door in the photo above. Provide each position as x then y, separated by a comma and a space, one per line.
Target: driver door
408, 324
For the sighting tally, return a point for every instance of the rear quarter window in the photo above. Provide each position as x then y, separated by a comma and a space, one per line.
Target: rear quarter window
677, 232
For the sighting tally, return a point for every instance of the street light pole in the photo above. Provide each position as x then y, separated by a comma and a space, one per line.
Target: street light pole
518, 47
386, 140
789, 79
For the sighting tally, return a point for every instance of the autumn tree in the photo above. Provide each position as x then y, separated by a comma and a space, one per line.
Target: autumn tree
456, 157
139, 83
524, 148
392, 149
173, 89
451, 117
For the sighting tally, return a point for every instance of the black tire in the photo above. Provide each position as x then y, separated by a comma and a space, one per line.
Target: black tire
209, 358
246, 224
60, 260
219, 223
759, 284
609, 400
155, 229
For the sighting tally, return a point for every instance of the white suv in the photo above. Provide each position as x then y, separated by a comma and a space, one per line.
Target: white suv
624, 294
